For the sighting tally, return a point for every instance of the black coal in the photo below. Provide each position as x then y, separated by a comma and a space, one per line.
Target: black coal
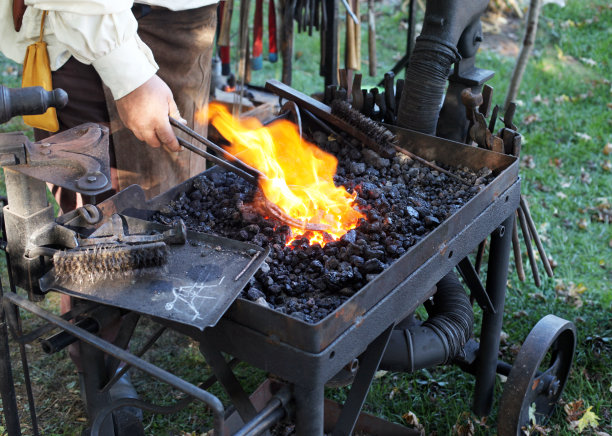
402, 200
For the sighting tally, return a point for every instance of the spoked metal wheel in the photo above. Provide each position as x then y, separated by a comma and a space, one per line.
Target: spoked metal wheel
538, 375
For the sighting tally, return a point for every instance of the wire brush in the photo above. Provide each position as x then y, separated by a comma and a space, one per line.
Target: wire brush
108, 261
384, 139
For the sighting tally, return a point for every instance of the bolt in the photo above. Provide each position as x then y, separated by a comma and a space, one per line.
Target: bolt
553, 387
91, 179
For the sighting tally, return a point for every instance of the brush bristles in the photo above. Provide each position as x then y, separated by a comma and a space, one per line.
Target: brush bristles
384, 139
108, 261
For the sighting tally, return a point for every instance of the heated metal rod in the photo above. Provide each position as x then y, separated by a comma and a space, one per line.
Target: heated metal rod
223, 163
207, 398
208, 143
518, 258
527, 239
536, 237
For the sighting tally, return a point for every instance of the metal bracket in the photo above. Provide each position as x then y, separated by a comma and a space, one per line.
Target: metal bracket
76, 159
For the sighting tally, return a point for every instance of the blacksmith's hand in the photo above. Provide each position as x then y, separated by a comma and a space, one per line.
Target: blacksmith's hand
145, 112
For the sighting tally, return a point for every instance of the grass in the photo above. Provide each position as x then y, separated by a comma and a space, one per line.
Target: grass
565, 116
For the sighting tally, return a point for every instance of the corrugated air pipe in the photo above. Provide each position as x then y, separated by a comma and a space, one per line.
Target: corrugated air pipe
425, 83
440, 338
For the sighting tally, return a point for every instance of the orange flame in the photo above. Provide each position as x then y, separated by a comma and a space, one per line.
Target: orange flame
298, 175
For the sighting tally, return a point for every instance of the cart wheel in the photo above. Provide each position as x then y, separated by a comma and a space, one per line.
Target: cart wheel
538, 375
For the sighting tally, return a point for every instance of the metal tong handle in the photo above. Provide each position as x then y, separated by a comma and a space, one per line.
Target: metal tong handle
237, 166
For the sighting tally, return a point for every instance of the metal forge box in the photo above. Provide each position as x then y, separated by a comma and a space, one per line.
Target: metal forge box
308, 355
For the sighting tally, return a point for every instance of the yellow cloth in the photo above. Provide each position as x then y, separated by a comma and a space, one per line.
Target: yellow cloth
37, 72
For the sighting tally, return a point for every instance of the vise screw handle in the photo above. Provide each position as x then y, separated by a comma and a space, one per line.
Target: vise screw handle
29, 101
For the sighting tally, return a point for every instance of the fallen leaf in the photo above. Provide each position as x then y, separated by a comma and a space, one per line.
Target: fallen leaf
583, 224
557, 162
607, 149
583, 136
589, 61
464, 425
589, 419
530, 119
585, 177
573, 410
520, 314
538, 296
561, 195
538, 99
503, 337
532, 411
412, 420
562, 99
606, 166
527, 161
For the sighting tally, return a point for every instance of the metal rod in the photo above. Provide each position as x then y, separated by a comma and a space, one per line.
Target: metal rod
73, 313
7, 387
536, 237
430, 164
208, 143
140, 353
479, 255
223, 163
271, 413
248, 265
359, 390
518, 258
497, 276
207, 398
528, 246
155, 408
350, 11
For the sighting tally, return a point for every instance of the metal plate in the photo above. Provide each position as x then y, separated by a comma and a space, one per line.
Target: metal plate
200, 281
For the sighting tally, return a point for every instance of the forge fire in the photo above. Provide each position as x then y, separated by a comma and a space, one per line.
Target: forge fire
394, 202
298, 177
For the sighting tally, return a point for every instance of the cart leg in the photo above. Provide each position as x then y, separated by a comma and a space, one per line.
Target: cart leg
7, 388
497, 275
357, 395
309, 409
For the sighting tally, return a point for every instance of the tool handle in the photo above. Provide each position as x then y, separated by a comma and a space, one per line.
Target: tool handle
29, 101
272, 48
256, 60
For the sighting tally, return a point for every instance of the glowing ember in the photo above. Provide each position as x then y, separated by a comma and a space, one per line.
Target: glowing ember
299, 175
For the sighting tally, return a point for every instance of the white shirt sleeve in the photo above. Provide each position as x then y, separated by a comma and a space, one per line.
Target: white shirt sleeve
103, 34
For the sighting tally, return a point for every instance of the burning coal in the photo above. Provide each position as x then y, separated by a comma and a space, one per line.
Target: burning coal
299, 176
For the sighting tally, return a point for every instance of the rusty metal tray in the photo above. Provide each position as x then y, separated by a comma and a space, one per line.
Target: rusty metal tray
314, 338
201, 279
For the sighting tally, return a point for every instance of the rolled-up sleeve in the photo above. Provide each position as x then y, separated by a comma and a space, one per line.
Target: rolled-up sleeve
103, 34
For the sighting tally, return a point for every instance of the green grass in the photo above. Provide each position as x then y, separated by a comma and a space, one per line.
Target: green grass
567, 87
